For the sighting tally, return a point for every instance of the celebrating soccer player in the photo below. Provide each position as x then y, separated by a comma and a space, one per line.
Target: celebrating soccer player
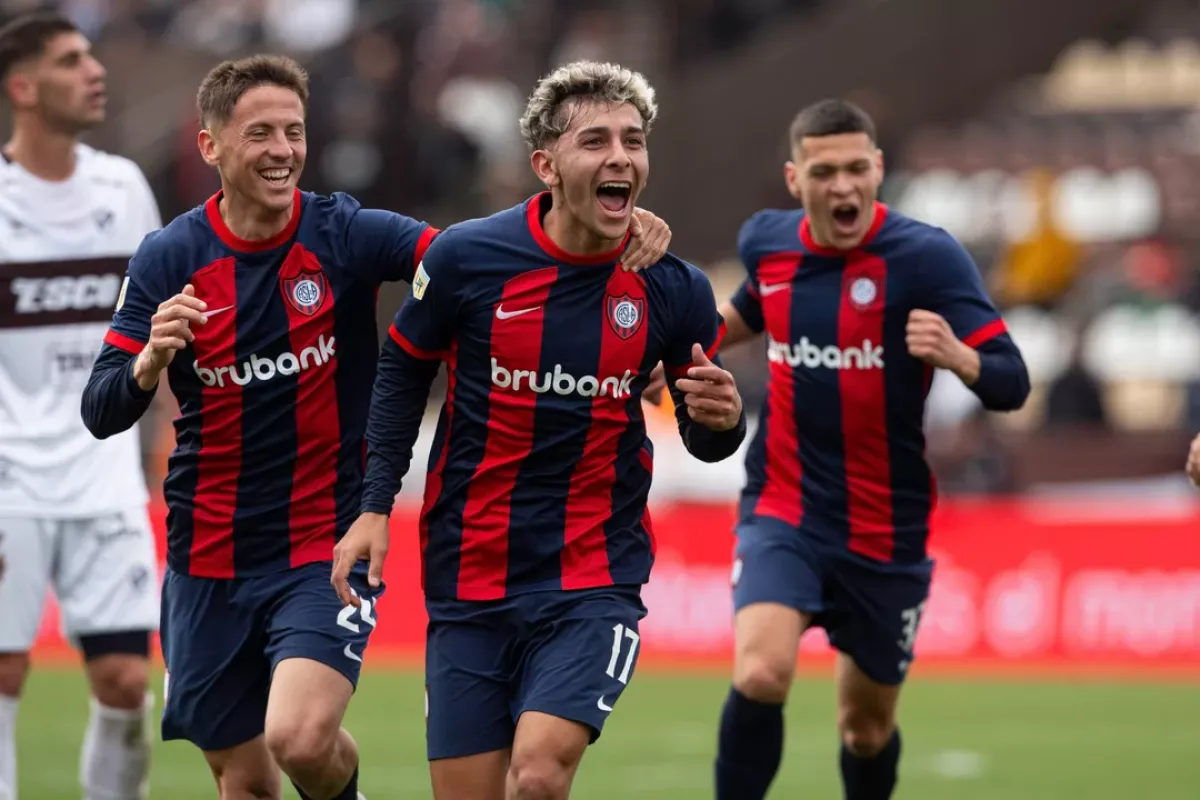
535, 539
72, 510
260, 307
860, 304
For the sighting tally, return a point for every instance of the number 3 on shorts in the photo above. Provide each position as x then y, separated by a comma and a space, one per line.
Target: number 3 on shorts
911, 620
620, 634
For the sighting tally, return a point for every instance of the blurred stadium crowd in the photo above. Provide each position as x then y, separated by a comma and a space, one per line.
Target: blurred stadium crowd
1076, 188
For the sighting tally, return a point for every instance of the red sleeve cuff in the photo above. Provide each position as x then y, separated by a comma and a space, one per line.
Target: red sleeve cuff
988, 332
124, 342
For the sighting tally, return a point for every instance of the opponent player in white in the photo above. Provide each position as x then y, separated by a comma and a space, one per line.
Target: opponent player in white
72, 509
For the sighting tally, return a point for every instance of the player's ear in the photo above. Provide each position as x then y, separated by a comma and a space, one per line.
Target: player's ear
879, 162
545, 168
206, 141
21, 89
791, 176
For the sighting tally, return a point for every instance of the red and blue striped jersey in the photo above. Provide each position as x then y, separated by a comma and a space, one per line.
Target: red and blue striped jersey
840, 447
274, 391
540, 468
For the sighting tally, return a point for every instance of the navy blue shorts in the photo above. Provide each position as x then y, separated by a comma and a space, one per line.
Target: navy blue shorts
222, 638
568, 654
870, 611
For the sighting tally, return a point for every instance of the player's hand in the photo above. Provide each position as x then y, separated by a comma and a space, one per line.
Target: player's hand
1193, 461
651, 237
170, 330
367, 540
653, 393
930, 338
711, 395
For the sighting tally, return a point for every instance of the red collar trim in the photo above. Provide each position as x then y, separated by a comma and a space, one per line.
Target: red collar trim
212, 209
533, 215
881, 212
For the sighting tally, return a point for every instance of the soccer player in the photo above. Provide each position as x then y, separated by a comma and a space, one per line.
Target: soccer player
73, 510
860, 304
535, 538
259, 306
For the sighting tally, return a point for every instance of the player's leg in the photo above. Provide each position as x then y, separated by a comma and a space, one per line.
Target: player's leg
106, 582
315, 646
28, 554
304, 728
870, 739
470, 661
777, 588
217, 679
581, 656
879, 614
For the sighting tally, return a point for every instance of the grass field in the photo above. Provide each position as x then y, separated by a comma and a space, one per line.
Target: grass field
1018, 740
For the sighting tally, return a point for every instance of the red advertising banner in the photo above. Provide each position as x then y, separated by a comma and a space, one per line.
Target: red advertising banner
1038, 585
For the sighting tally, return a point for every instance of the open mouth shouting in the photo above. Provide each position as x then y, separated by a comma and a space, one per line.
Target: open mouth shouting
846, 218
613, 198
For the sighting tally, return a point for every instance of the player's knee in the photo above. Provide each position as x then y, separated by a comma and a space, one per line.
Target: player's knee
540, 777
865, 733
119, 681
762, 678
300, 746
13, 669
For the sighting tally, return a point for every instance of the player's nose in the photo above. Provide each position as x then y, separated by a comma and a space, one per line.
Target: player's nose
619, 158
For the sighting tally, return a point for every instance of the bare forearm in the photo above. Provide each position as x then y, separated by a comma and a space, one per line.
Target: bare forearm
737, 331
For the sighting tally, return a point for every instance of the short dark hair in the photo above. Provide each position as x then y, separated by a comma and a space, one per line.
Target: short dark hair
26, 37
228, 81
829, 118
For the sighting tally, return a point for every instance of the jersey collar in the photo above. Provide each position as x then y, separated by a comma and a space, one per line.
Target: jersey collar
212, 210
533, 214
881, 212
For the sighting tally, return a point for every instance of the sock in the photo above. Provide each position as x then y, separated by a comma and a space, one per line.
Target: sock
349, 793
871, 778
115, 761
8, 747
749, 747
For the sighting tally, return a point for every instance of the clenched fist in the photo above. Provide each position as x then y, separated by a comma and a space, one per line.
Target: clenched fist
930, 338
170, 330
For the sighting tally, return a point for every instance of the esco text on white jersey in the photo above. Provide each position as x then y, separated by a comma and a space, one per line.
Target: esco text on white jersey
64, 249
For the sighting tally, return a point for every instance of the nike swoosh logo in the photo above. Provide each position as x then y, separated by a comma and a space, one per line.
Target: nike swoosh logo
217, 311
773, 288
502, 314
600, 704
348, 653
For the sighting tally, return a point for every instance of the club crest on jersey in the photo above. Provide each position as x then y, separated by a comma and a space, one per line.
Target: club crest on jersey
306, 292
625, 315
863, 293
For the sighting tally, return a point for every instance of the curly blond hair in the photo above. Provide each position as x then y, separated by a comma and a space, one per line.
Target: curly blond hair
550, 109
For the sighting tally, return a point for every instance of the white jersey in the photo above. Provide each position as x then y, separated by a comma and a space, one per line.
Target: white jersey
64, 249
